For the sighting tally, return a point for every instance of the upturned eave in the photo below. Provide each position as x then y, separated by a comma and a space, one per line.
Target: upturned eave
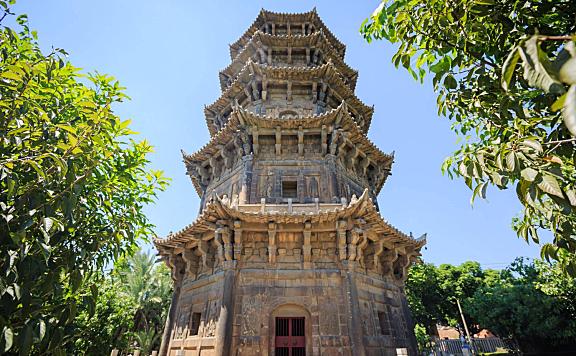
238, 62
265, 15
326, 72
218, 210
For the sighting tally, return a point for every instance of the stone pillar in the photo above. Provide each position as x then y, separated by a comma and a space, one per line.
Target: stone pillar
237, 240
354, 322
246, 180
170, 319
341, 235
307, 246
272, 242
411, 337
225, 325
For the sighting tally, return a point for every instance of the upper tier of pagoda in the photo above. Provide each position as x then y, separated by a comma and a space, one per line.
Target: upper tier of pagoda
287, 24
300, 91
288, 125
340, 136
288, 50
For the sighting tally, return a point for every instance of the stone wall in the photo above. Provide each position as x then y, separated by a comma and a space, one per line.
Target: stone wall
328, 298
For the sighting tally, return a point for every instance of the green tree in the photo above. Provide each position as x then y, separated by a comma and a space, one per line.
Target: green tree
131, 308
533, 304
425, 296
146, 339
432, 291
519, 129
109, 326
72, 187
149, 285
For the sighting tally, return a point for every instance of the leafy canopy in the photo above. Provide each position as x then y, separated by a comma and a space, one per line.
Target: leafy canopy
505, 74
432, 291
72, 187
532, 303
131, 308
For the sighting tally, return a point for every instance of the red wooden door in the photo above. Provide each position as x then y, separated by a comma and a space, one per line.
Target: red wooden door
290, 339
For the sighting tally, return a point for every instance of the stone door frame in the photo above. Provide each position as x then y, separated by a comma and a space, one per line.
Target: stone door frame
289, 310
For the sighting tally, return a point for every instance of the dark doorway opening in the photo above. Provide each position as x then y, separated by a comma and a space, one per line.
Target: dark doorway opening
290, 339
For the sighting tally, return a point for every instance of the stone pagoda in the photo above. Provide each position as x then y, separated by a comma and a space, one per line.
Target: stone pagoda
289, 255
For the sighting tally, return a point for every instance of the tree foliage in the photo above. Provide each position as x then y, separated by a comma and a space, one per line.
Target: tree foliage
531, 303
131, 308
505, 74
109, 326
432, 291
72, 187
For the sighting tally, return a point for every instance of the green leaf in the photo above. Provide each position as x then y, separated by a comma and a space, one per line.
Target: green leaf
41, 329
549, 251
26, 340
559, 103
441, 66
11, 75
480, 190
536, 66
75, 280
8, 338
571, 194
37, 168
550, 185
569, 111
511, 161
533, 144
529, 174
450, 82
484, 2
509, 67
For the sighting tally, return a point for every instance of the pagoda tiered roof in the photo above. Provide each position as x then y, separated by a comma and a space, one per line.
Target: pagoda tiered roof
317, 39
362, 207
339, 116
326, 72
275, 17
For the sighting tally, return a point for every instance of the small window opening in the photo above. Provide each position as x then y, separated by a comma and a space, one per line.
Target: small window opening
289, 189
384, 326
195, 323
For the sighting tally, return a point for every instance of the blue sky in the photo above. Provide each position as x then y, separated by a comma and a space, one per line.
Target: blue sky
168, 55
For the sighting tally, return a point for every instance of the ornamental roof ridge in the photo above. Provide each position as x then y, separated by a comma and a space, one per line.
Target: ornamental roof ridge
216, 206
328, 113
350, 72
224, 133
312, 14
217, 209
241, 115
264, 15
300, 121
323, 71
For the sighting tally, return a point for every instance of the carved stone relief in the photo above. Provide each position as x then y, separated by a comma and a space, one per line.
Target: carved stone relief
252, 314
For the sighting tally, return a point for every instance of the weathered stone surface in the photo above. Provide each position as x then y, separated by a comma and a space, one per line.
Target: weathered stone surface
288, 227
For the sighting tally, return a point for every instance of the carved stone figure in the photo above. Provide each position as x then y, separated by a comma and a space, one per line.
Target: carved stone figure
312, 187
269, 184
